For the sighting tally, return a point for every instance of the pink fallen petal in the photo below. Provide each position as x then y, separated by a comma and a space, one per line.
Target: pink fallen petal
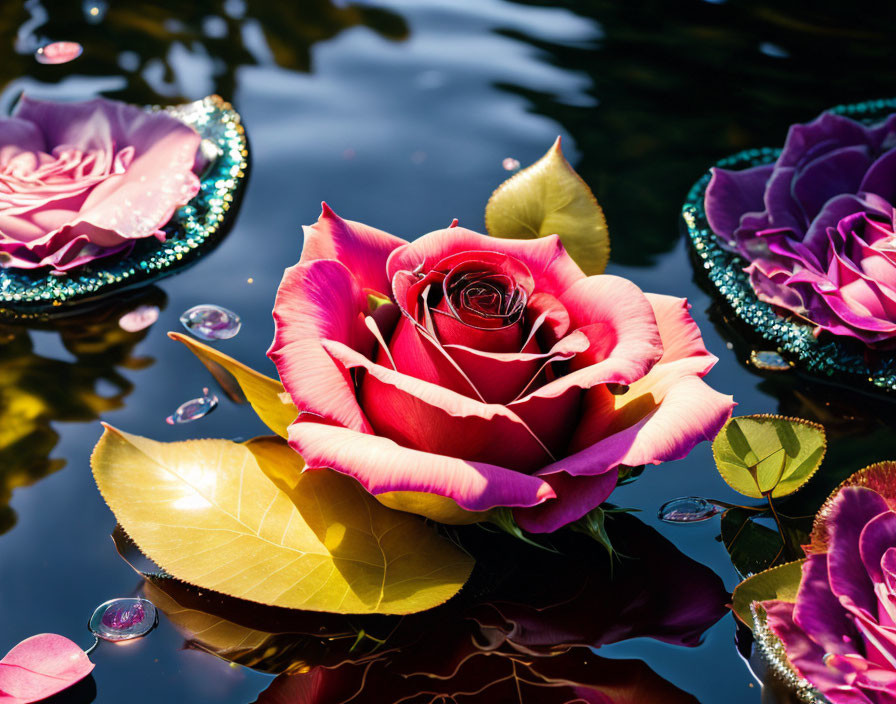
41, 666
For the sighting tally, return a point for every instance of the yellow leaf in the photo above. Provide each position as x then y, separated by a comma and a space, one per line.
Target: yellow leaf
550, 198
781, 582
766, 455
262, 392
206, 513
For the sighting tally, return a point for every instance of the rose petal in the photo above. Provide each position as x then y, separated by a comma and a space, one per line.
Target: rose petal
878, 536
41, 666
362, 249
881, 177
819, 613
315, 301
851, 510
428, 417
836, 172
730, 194
382, 466
576, 496
545, 257
808, 657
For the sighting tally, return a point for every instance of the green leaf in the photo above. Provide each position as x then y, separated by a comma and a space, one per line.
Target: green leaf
594, 525
754, 547
206, 512
550, 198
781, 582
768, 455
266, 395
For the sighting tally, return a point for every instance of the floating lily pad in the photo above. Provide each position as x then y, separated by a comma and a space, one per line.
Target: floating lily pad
195, 228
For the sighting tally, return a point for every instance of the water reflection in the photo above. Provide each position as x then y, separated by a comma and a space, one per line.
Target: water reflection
680, 85
529, 618
170, 51
37, 390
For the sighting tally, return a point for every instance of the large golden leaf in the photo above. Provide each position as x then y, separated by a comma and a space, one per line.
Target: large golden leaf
263, 393
550, 198
207, 513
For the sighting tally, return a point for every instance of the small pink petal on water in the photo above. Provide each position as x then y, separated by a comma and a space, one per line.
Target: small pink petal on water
41, 666
139, 319
510, 164
58, 52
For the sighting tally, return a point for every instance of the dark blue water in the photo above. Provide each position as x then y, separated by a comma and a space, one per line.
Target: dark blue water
399, 115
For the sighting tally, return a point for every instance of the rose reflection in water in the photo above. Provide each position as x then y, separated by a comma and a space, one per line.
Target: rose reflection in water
528, 619
36, 391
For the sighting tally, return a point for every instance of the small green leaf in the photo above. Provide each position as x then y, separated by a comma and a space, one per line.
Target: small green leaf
266, 395
550, 198
503, 518
781, 582
594, 525
754, 547
768, 455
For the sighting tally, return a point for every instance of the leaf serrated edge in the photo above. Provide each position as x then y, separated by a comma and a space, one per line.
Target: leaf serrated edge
734, 605
773, 416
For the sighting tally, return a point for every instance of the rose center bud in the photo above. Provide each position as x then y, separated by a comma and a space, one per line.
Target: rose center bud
483, 299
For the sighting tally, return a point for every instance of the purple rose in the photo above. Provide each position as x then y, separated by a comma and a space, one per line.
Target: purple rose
840, 634
79, 181
818, 227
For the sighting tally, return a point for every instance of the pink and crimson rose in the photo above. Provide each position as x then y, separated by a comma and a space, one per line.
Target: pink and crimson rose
459, 372
80, 181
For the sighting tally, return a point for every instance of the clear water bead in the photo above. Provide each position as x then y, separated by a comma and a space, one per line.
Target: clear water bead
768, 361
211, 322
194, 409
688, 509
123, 619
139, 319
58, 53
510, 164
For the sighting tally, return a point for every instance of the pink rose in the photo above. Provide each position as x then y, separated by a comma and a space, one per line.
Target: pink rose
85, 180
459, 372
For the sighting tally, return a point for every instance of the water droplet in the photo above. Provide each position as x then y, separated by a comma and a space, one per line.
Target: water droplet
510, 164
139, 319
210, 322
94, 10
123, 619
687, 509
768, 361
194, 409
58, 52
830, 659
827, 286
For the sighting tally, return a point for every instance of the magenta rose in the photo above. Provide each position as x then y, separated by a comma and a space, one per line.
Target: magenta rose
840, 635
86, 180
818, 227
459, 372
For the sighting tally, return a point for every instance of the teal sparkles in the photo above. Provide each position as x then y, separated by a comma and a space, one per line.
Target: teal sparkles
195, 227
836, 359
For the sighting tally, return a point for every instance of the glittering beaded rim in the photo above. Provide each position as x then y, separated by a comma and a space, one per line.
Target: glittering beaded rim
195, 227
772, 651
840, 359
